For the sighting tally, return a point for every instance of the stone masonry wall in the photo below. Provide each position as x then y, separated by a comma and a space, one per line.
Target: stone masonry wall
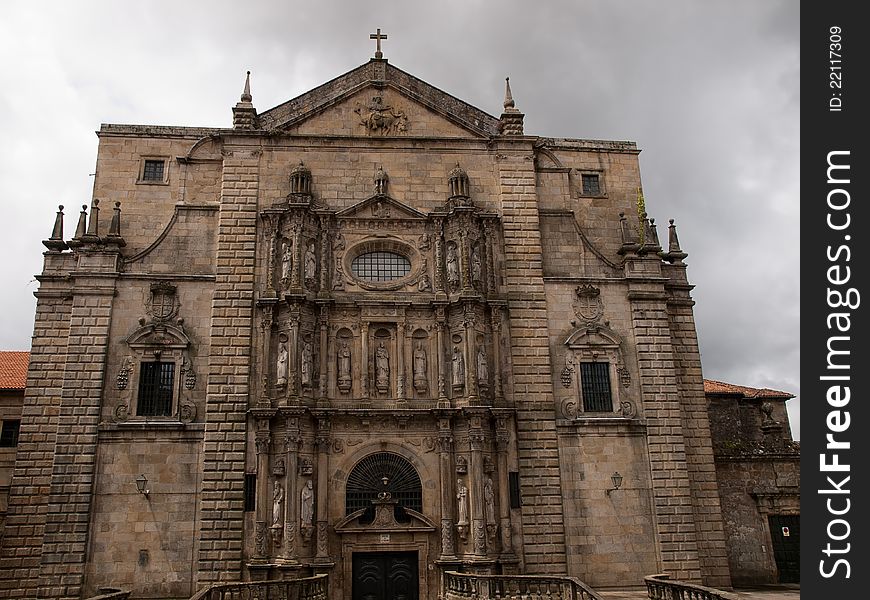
699, 448
543, 526
672, 494
223, 467
21, 543
68, 510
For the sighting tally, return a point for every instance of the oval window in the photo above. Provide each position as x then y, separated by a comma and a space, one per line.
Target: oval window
380, 266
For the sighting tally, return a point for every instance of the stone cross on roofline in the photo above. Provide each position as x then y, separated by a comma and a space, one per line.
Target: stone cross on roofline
378, 36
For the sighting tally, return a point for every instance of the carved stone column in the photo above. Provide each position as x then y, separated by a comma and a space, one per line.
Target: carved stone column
465, 255
292, 443
266, 323
400, 361
490, 261
324, 353
324, 250
476, 479
322, 441
364, 361
448, 494
502, 439
297, 255
293, 349
261, 441
439, 256
471, 386
495, 317
441, 325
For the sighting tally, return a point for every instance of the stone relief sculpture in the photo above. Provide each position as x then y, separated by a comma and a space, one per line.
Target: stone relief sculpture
277, 504
475, 265
286, 262
306, 512
344, 377
310, 264
382, 369
462, 502
381, 119
282, 364
423, 284
489, 501
421, 384
482, 367
307, 362
452, 266
458, 368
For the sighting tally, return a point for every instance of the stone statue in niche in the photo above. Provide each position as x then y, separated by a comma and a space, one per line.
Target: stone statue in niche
286, 262
423, 284
462, 502
307, 505
461, 465
421, 384
307, 363
475, 265
458, 368
277, 504
482, 367
338, 275
489, 501
452, 267
382, 369
344, 378
283, 356
310, 264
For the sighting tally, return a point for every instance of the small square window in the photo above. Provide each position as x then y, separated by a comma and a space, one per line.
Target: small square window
595, 384
250, 492
591, 184
153, 170
156, 381
9, 433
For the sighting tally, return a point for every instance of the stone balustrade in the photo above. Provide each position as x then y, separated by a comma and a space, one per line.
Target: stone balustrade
465, 586
660, 587
307, 588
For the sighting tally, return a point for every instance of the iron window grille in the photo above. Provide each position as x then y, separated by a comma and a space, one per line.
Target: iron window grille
379, 473
591, 185
153, 170
156, 380
380, 266
595, 384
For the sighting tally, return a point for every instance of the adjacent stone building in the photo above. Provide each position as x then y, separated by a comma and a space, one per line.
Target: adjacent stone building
373, 332
758, 469
13, 379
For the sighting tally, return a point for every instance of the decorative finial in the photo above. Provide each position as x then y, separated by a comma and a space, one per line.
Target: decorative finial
246, 94
378, 36
55, 242
675, 254
94, 224
508, 98
81, 228
511, 118
114, 236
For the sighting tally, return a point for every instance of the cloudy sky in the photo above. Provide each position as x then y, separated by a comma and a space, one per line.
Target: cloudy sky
709, 90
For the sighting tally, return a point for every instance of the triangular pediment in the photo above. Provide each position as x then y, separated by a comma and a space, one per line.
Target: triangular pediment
378, 100
380, 207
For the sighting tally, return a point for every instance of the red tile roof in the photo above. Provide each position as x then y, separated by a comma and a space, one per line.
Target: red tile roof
13, 369
711, 386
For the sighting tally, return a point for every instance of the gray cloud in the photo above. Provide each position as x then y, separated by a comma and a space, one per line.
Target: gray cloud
709, 90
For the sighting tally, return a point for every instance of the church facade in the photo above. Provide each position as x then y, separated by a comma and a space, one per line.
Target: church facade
373, 332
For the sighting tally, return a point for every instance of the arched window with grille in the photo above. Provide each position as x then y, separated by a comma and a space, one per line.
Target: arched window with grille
383, 475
